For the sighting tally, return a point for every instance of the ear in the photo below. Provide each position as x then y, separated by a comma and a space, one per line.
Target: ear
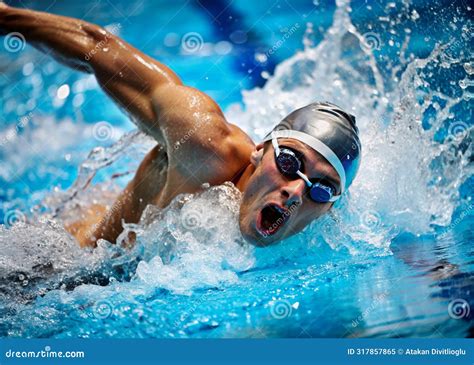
257, 154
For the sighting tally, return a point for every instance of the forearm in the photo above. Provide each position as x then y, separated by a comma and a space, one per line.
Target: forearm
126, 74
69, 40
86, 46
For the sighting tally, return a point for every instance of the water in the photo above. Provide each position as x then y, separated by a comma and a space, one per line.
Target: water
393, 259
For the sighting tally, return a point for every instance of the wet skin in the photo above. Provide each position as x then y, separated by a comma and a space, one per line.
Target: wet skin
196, 144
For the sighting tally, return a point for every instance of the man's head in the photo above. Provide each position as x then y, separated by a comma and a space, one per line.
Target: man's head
299, 170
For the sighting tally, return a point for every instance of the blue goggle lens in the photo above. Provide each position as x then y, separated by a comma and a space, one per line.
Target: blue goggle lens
321, 193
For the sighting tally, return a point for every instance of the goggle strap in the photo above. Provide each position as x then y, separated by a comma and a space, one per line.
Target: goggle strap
275, 146
334, 198
304, 177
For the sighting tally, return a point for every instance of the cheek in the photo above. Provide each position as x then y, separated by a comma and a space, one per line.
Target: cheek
310, 213
263, 180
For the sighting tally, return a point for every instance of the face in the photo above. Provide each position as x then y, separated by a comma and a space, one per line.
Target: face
276, 206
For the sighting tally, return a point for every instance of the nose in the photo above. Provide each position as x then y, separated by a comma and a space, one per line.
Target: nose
293, 192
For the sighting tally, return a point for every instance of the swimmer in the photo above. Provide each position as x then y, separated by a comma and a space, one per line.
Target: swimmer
292, 177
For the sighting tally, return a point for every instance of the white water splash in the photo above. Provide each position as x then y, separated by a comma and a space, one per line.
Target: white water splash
398, 187
195, 242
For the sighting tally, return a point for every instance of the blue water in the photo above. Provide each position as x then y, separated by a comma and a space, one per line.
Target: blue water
394, 260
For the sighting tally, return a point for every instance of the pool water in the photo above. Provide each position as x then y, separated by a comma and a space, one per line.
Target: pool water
393, 259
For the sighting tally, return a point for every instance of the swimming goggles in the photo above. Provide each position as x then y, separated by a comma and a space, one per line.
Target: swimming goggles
289, 165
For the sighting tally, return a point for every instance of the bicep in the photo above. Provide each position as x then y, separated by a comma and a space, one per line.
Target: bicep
181, 108
129, 77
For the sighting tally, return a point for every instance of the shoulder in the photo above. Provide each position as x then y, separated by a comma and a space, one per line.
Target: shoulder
191, 119
199, 138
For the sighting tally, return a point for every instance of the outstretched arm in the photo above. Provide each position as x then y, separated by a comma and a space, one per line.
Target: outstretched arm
129, 76
149, 91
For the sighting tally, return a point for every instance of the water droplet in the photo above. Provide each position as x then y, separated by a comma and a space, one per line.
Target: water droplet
414, 15
238, 37
469, 68
261, 57
63, 91
223, 47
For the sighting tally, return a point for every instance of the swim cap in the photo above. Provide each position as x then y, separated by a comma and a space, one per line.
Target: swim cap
330, 131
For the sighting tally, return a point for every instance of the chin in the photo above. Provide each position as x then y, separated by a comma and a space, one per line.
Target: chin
259, 241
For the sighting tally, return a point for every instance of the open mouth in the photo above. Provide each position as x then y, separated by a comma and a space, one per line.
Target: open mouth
271, 218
